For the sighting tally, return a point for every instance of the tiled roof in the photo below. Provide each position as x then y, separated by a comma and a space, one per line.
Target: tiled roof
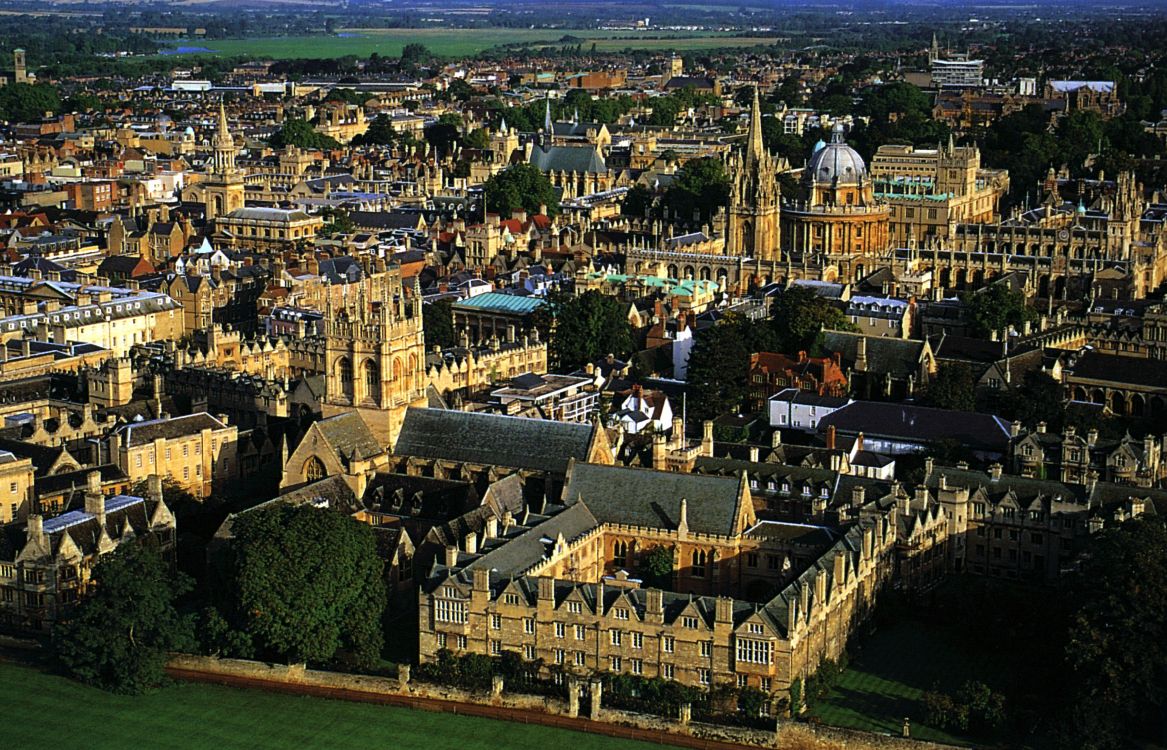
492, 439
143, 433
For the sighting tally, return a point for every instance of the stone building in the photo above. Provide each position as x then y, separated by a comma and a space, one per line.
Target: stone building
196, 451
46, 563
753, 227
839, 226
557, 587
375, 357
1078, 459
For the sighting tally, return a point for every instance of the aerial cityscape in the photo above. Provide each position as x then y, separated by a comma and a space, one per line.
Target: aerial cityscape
474, 375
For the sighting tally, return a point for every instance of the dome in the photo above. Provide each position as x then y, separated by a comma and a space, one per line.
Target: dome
818, 147
836, 161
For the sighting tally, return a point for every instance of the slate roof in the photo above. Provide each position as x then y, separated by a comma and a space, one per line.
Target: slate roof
652, 499
528, 548
900, 357
349, 435
568, 159
492, 439
143, 433
1118, 369
920, 424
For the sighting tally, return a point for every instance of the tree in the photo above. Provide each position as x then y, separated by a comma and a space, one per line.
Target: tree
656, 567
444, 134
118, 637
953, 388
719, 364
338, 222
520, 186
587, 328
995, 308
1116, 653
306, 584
299, 132
24, 102
700, 188
799, 316
414, 55
637, 202
438, 322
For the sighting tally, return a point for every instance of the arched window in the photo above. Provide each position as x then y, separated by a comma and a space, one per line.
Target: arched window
372, 381
699, 560
344, 372
620, 551
314, 469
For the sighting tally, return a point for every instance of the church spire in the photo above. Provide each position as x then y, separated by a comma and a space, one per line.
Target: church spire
754, 147
547, 118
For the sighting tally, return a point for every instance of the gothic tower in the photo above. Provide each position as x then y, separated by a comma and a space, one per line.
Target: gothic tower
754, 197
375, 353
223, 188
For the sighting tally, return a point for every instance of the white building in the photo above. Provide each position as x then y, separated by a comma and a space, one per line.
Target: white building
792, 408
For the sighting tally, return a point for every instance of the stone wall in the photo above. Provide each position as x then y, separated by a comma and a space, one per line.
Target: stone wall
789, 736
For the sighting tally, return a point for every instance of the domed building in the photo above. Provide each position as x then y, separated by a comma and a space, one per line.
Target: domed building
837, 224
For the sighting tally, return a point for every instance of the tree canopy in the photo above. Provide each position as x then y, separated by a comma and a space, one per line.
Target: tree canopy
954, 387
700, 188
438, 321
299, 132
587, 327
1116, 652
520, 186
119, 635
25, 102
995, 308
306, 585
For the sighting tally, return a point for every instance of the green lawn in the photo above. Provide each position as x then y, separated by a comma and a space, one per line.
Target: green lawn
892, 670
454, 42
58, 713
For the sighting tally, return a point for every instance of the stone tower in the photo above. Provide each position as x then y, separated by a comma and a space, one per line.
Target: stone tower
223, 188
375, 354
19, 67
754, 197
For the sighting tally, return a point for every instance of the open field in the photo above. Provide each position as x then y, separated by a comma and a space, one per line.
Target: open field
454, 42
64, 714
894, 667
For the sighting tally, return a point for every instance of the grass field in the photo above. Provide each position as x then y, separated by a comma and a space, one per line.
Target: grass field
59, 713
888, 676
454, 42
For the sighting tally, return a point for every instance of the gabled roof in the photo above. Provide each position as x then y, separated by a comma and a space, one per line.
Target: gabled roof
493, 439
349, 436
652, 499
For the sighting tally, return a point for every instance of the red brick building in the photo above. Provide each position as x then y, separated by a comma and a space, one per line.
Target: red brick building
771, 372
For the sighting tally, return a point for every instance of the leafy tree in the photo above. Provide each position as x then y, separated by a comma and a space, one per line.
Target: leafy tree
382, 133
953, 388
656, 567
1116, 652
799, 316
118, 637
637, 201
520, 186
24, 102
414, 55
306, 584
996, 308
719, 364
299, 132
587, 327
478, 138
700, 188
444, 134
338, 222
438, 321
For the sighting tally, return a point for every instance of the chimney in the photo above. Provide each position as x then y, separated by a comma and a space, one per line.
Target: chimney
929, 462
831, 437
775, 438
861, 354
94, 499
451, 556
707, 438
491, 527
36, 527
858, 496
1092, 437
154, 487
470, 543
995, 472
753, 454
1041, 428
678, 432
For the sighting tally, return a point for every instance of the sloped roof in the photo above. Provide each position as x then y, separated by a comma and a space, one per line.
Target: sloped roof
652, 499
492, 439
568, 159
348, 434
